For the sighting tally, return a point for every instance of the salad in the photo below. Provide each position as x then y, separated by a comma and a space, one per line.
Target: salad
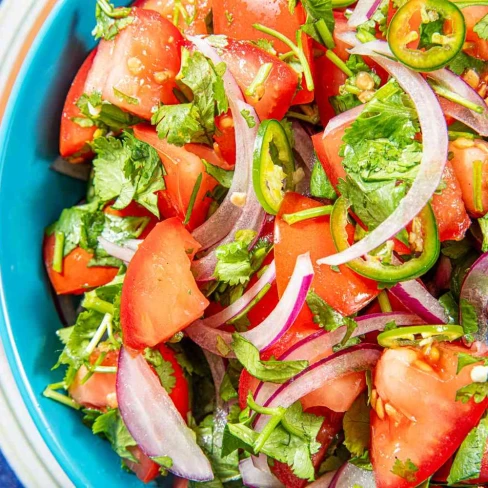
279, 273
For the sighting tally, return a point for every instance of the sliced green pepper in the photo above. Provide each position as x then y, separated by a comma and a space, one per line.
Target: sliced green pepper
273, 165
372, 267
438, 48
406, 336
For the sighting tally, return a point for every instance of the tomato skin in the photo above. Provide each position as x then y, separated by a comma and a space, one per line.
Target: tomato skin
462, 162
429, 425
159, 295
183, 166
244, 59
145, 469
449, 208
73, 137
331, 426
472, 15
235, 19
76, 277
166, 9
150, 45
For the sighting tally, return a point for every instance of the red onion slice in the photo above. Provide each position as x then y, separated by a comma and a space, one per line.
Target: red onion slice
355, 358
303, 145
221, 223
117, 251
349, 475
324, 481
475, 290
434, 157
271, 329
310, 347
239, 305
255, 478
363, 12
217, 370
418, 300
153, 421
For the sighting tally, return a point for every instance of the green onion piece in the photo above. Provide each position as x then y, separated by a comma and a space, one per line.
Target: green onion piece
477, 185
384, 302
251, 304
193, 197
92, 302
332, 56
59, 397
259, 80
58, 251
454, 97
325, 34
310, 213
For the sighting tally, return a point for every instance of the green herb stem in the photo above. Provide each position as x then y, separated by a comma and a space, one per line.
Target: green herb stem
311, 119
384, 302
107, 318
105, 369
477, 185
92, 302
59, 397
297, 50
310, 213
259, 79
193, 197
110, 11
260, 409
325, 34
453, 135
332, 56
268, 429
251, 304
58, 251
342, 3
454, 97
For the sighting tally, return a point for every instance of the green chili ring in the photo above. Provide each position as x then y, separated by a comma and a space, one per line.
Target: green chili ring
271, 180
405, 336
373, 268
437, 56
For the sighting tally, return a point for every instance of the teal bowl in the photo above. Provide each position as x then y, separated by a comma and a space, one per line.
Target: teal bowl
31, 197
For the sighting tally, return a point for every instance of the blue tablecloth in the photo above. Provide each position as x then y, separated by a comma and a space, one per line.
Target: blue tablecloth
7, 476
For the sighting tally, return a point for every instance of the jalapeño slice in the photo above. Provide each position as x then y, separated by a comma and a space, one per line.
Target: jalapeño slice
372, 267
409, 336
442, 34
273, 165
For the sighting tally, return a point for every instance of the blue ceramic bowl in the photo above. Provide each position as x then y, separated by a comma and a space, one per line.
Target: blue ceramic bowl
31, 197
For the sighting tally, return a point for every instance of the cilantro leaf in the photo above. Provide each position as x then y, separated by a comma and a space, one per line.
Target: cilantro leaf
234, 259
467, 463
481, 28
357, 428
250, 120
272, 371
450, 307
405, 470
111, 426
483, 222
477, 391
110, 20
344, 102
195, 121
428, 29
467, 359
100, 113
224, 177
463, 62
163, 368
127, 169
469, 319
320, 185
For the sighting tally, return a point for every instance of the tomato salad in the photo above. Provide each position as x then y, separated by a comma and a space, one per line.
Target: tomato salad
279, 273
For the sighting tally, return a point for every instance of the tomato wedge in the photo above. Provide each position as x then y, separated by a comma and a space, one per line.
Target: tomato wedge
196, 13
450, 212
183, 167
425, 423
235, 19
73, 137
159, 294
137, 70
145, 468
244, 60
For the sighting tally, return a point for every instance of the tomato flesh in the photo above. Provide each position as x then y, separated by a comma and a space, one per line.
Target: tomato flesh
183, 166
197, 11
463, 163
476, 46
429, 425
160, 296
448, 206
235, 19
244, 59
141, 63
73, 137
145, 468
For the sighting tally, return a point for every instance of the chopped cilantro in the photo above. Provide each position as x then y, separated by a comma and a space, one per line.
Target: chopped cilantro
357, 428
405, 470
469, 319
272, 371
110, 20
462, 62
467, 359
320, 18
195, 121
163, 368
481, 28
250, 120
320, 185
223, 177
477, 391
